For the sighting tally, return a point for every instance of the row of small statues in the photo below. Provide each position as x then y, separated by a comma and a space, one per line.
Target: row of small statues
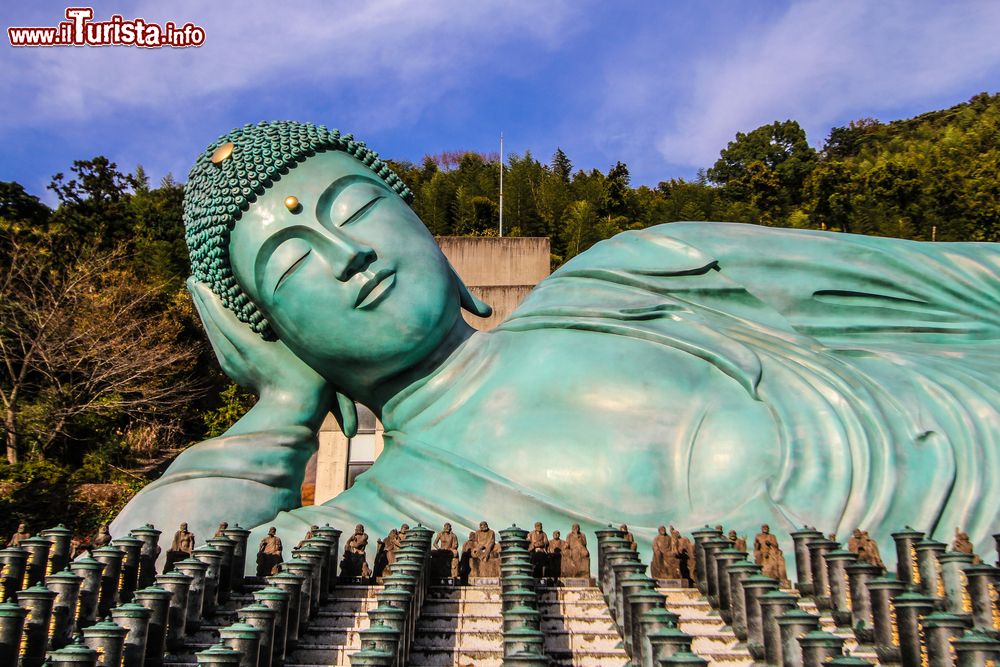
674, 555
478, 556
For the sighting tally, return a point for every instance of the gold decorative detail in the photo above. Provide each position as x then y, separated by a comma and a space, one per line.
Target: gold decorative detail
222, 153
292, 203
914, 567
892, 622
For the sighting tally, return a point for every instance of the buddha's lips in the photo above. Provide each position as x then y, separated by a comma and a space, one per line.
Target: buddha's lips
375, 287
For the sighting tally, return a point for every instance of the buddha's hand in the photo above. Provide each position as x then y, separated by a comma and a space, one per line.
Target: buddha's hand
290, 389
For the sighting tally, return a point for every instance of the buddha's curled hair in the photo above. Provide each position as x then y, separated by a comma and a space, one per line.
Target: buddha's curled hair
218, 192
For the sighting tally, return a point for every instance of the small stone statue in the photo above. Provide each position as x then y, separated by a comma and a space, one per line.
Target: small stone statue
557, 546
773, 562
269, 554
402, 532
102, 539
21, 534
445, 546
866, 548
486, 552
354, 563
684, 548
220, 531
762, 542
307, 536
628, 537
180, 548
575, 557
665, 564
854, 542
737, 542
467, 563
385, 557
963, 545
538, 548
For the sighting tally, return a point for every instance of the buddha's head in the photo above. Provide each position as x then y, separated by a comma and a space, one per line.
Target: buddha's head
307, 236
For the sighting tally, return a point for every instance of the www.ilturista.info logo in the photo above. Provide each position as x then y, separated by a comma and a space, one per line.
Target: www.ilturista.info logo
81, 30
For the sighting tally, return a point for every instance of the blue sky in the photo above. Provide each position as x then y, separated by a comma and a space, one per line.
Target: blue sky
659, 85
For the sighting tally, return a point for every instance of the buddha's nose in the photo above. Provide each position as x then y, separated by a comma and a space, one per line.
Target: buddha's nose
357, 258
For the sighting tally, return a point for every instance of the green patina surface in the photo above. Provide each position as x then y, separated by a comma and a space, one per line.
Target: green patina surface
688, 373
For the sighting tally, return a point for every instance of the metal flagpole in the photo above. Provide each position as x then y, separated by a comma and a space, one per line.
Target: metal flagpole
501, 185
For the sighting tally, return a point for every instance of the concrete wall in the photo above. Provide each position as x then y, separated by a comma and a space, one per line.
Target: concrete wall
501, 272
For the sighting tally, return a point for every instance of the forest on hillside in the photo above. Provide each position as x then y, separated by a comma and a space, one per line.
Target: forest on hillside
105, 374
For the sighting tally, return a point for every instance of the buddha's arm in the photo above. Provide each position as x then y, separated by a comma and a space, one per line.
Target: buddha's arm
255, 469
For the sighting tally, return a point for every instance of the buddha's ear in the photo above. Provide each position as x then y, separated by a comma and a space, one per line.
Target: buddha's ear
347, 415
470, 301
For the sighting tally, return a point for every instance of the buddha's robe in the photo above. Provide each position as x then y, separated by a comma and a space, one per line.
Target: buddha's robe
707, 372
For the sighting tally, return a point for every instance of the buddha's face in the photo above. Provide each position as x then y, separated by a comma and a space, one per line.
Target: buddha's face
349, 278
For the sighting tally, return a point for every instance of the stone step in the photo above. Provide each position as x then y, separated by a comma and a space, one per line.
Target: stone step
581, 624
442, 622
583, 642
591, 659
454, 658
470, 593
473, 640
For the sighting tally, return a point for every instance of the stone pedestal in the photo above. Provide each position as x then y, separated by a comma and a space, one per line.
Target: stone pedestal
89, 570
110, 577
244, 639
955, 585
910, 607
107, 638
132, 548
940, 629
134, 618
157, 601
929, 567
818, 549
883, 591
11, 629
840, 587
982, 582
227, 548
219, 656
803, 567
239, 565
724, 560
907, 569
820, 647
212, 558
177, 584
773, 605
38, 559
858, 576
292, 585
37, 602
792, 625
148, 553
60, 537
277, 600
66, 586
13, 563
700, 537
754, 588
196, 570
262, 618
738, 573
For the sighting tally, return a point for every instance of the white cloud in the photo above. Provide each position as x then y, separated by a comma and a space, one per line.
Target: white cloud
408, 54
818, 63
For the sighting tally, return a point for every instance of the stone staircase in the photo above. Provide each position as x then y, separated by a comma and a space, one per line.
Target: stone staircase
461, 626
714, 641
332, 636
330, 639
578, 627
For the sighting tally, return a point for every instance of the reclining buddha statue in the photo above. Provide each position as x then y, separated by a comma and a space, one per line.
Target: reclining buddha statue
688, 373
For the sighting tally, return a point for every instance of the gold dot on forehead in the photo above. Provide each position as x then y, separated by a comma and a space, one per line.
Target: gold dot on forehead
222, 152
292, 203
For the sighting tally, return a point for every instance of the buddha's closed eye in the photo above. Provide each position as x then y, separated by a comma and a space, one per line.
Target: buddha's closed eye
286, 259
355, 201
